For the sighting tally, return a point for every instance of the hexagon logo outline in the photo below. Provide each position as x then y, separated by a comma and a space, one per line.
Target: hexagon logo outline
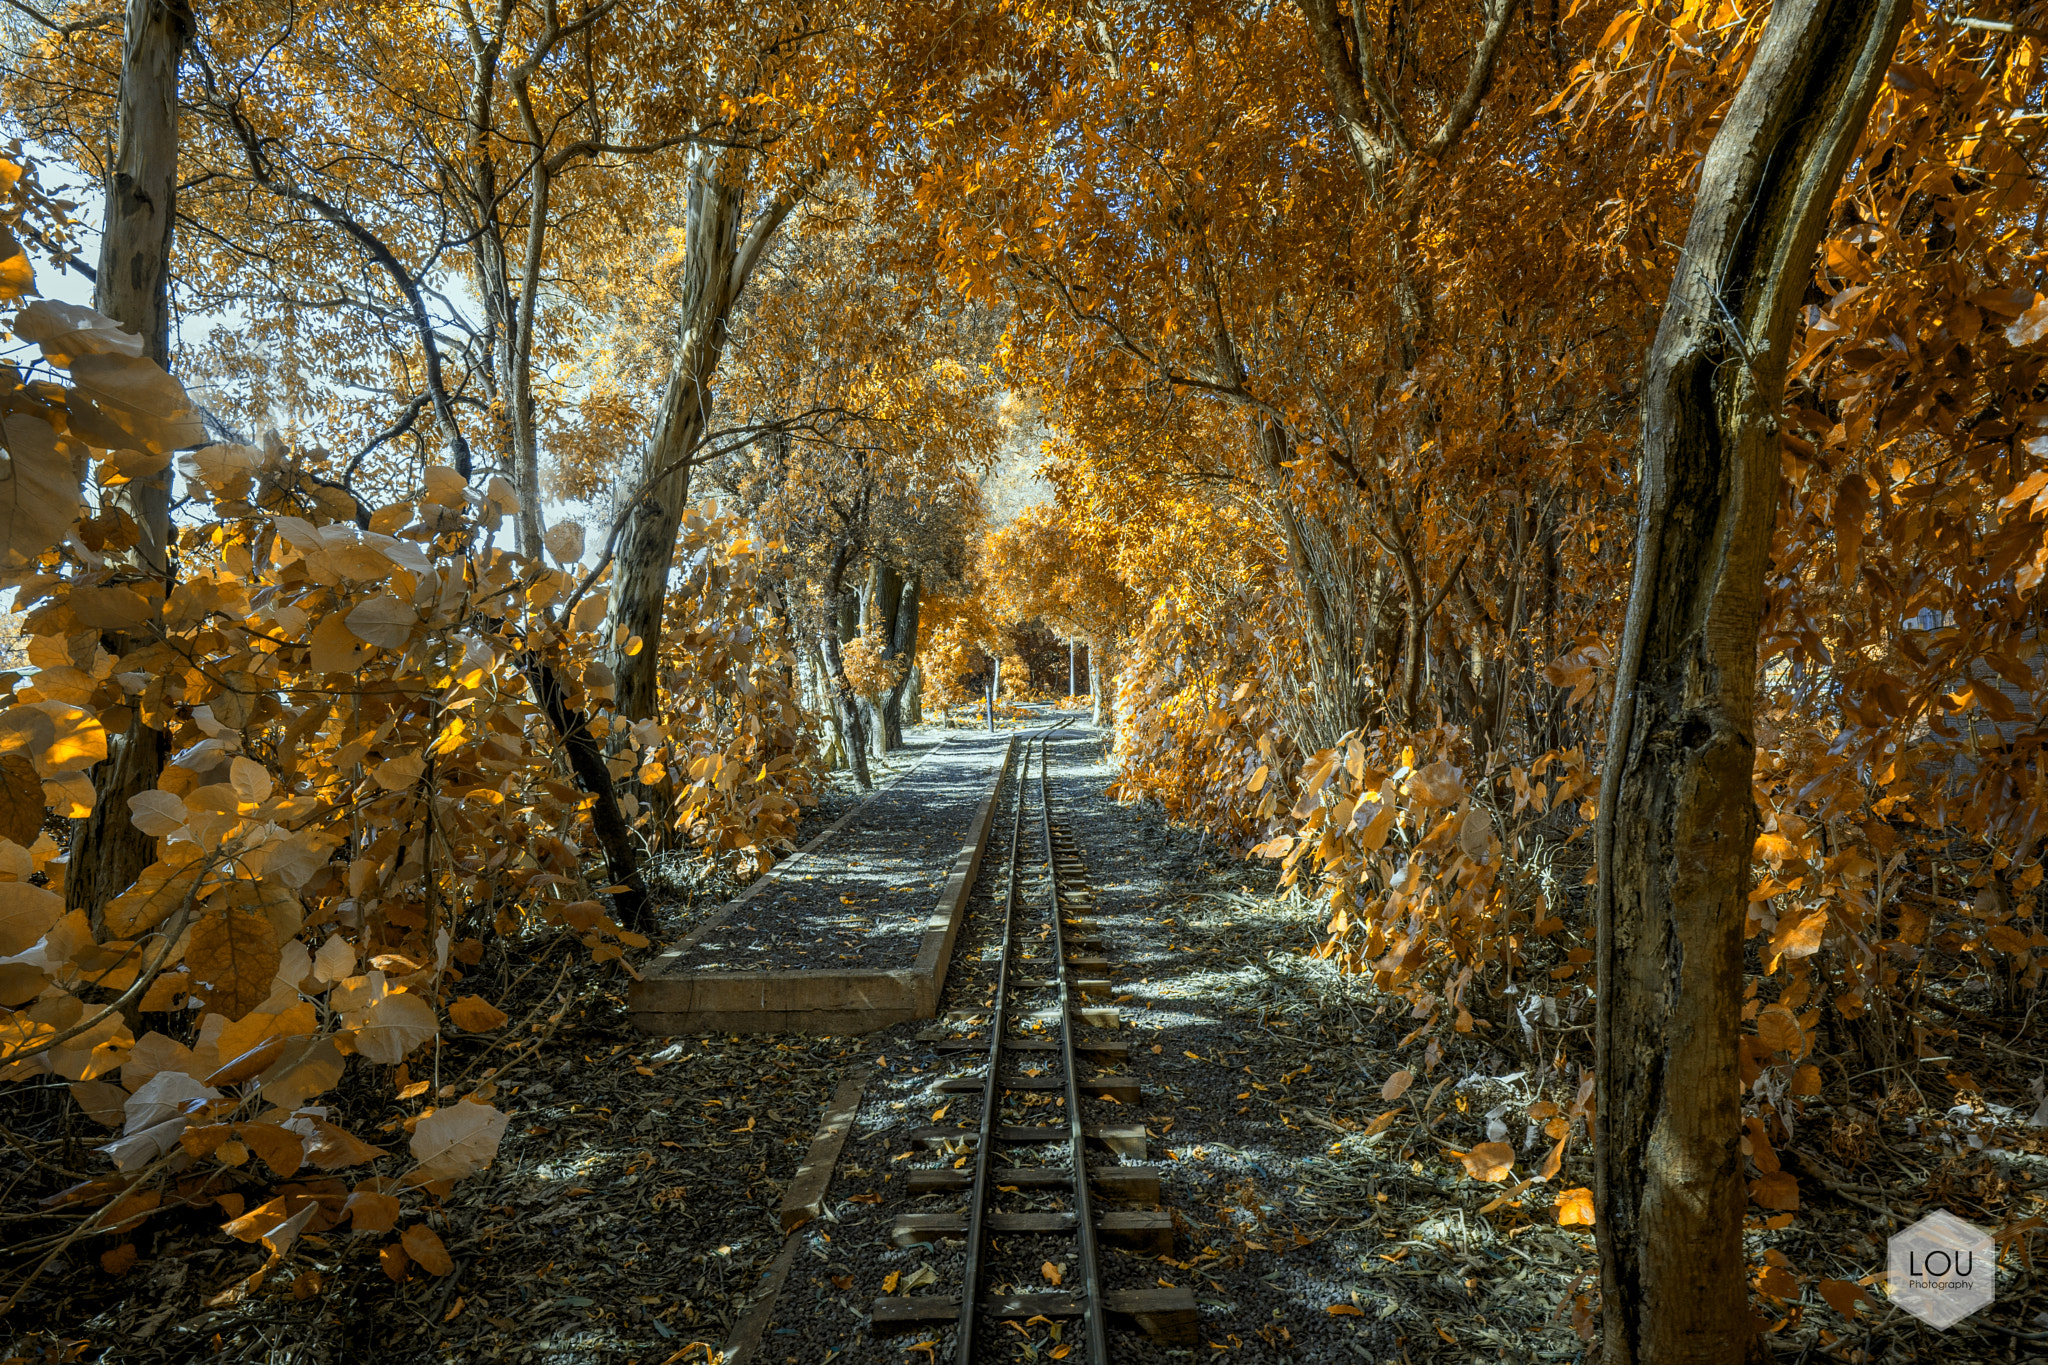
1942, 1269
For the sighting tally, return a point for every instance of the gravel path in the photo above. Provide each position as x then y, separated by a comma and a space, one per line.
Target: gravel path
862, 898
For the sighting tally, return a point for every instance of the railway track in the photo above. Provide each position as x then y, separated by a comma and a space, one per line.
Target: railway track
1036, 1046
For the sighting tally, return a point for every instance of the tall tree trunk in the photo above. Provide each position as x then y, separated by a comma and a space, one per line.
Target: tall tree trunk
717, 261
841, 623
593, 774
1677, 819
902, 645
847, 707
1099, 683
133, 287
878, 617
661, 484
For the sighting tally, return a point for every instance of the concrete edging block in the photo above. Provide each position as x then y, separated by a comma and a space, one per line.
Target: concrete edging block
670, 1001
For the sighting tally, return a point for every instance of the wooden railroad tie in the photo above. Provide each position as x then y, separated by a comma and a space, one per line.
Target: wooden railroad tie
1166, 1315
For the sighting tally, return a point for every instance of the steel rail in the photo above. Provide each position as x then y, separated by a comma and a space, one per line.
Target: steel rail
984, 1146
1095, 1319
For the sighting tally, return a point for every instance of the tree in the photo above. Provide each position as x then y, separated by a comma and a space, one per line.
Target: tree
410, 195
132, 286
1677, 819
811, 100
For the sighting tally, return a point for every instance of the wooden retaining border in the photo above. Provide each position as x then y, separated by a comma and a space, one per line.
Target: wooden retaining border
671, 999
803, 1201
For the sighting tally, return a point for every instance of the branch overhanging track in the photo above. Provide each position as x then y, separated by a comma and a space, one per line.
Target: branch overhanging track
1028, 1058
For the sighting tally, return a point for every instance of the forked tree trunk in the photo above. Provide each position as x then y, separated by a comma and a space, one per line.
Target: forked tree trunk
1677, 819
133, 287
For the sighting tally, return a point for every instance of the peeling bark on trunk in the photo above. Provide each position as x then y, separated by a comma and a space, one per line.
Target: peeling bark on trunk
841, 624
662, 481
1677, 818
133, 287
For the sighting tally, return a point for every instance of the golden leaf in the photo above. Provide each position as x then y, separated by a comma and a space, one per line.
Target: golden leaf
26, 914
136, 395
233, 957
280, 1150
383, 620
474, 1014
393, 1027
1489, 1161
564, 540
332, 1148
369, 1211
1778, 1030
21, 802
1775, 1190
424, 1245
454, 1142
335, 648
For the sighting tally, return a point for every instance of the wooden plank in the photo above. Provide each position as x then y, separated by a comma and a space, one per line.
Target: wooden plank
1149, 1231
1123, 1089
1028, 1222
915, 1310
1146, 1230
1126, 1184
894, 1314
805, 1197
1098, 1050
1166, 1315
1125, 1139
1170, 1316
746, 1335
1021, 1306
1094, 1016
981, 1045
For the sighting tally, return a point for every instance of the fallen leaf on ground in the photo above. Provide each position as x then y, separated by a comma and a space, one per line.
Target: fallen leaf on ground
424, 1245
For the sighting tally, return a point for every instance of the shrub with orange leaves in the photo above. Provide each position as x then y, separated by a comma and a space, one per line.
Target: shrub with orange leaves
363, 785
